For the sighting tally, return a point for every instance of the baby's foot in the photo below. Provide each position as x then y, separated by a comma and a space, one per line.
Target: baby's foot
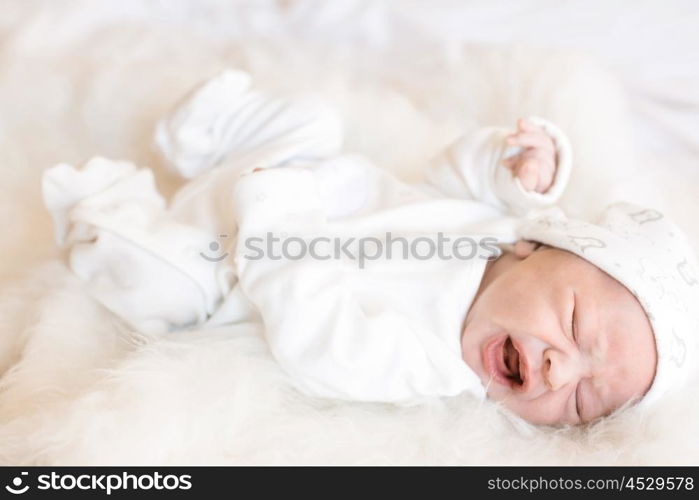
193, 137
226, 120
65, 187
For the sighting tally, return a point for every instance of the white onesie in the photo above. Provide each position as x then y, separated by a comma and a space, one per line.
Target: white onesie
277, 227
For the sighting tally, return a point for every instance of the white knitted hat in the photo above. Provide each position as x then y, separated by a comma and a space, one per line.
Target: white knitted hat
649, 255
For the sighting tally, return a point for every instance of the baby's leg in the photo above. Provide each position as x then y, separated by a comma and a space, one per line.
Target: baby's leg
135, 257
225, 120
160, 268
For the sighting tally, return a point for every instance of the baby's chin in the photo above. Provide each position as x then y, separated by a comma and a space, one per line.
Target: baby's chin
515, 408
471, 355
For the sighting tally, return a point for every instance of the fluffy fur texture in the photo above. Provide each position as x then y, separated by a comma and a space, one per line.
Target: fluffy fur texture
77, 80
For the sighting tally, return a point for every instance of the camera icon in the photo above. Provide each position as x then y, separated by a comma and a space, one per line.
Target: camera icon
16, 487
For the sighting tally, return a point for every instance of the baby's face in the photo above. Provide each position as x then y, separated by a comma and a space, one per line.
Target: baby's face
556, 340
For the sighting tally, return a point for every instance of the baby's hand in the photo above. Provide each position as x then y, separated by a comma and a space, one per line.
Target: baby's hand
535, 165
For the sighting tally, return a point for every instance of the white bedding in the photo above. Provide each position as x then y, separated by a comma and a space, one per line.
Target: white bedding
79, 78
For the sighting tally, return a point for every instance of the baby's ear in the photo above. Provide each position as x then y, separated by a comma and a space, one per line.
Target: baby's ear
524, 248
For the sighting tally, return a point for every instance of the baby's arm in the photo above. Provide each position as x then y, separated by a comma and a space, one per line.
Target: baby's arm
328, 341
514, 171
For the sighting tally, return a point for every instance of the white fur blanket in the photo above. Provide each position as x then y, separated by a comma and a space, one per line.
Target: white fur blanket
83, 78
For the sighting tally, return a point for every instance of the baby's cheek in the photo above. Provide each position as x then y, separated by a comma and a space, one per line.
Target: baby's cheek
545, 410
535, 328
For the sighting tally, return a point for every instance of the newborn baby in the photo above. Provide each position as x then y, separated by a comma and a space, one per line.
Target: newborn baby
372, 289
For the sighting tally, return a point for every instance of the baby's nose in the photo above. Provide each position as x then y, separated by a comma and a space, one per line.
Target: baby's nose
560, 369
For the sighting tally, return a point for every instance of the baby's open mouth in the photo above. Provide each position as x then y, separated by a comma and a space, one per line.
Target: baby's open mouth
512, 364
505, 363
